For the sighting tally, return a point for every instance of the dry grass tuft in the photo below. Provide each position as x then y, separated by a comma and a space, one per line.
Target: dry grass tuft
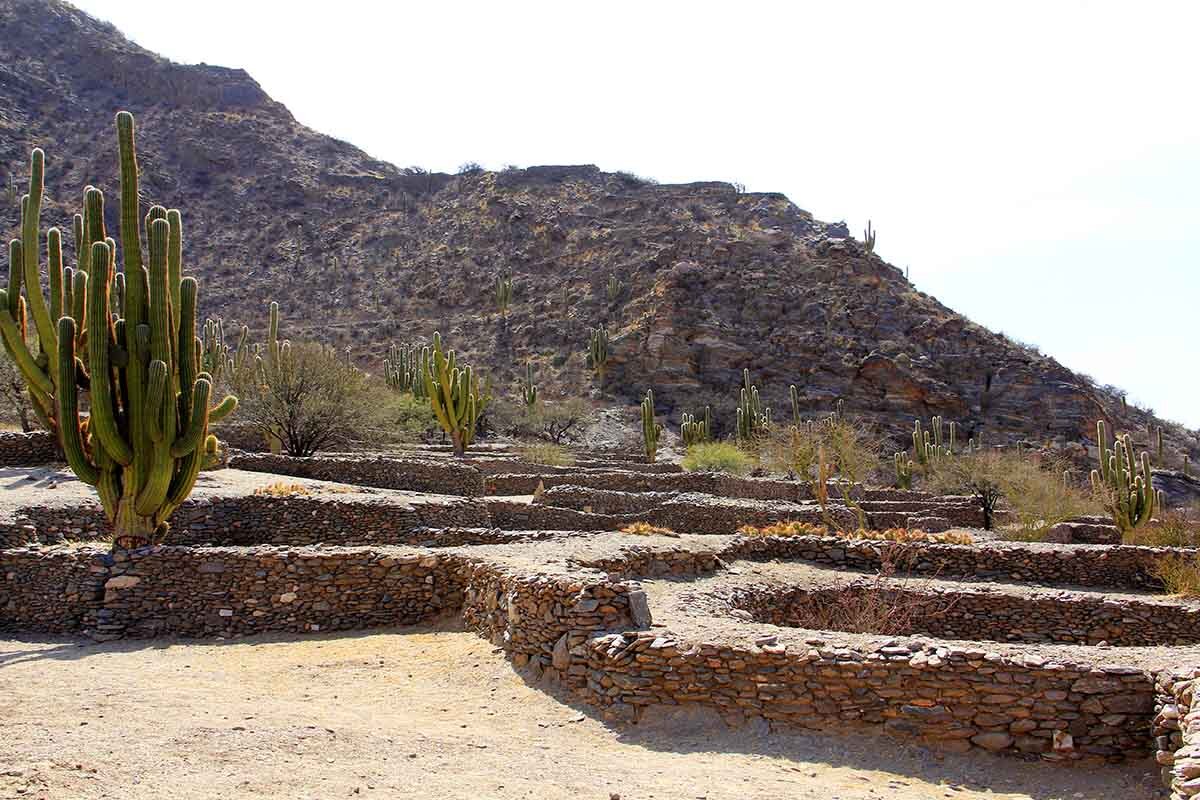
1180, 575
282, 489
646, 529
898, 535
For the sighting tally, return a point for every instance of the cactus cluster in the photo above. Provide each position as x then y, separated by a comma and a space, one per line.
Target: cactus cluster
650, 427
454, 394
504, 293
598, 354
217, 357
1128, 494
752, 418
614, 288
128, 339
529, 390
404, 369
695, 430
931, 446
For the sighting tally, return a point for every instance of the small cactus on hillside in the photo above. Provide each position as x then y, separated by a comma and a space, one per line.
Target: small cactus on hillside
1128, 494
869, 238
650, 427
613, 288
598, 354
504, 293
693, 430
904, 471
529, 389
794, 395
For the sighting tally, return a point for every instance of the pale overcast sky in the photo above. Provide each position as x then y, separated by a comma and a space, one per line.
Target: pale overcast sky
1036, 165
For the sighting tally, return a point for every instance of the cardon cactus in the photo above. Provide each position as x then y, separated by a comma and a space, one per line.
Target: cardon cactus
794, 395
598, 354
529, 390
454, 395
752, 419
146, 437
693, 430
869, 238
1128, 495
650, 427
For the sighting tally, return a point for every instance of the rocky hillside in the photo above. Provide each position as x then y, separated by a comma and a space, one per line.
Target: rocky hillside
360, 252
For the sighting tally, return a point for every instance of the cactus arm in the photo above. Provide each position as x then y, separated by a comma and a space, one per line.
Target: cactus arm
29, 246
68, 409
55, 269
103, 421
197, 428
175, 264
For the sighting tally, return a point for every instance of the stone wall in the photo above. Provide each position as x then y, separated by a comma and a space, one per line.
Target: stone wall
1177, 732
223, 591
953, 697
714, 483
27, 449
997, 616
336, 519
1116, 567
54, 591
433, 475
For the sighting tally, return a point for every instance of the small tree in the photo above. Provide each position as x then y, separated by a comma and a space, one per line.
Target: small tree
308, 397
981, 474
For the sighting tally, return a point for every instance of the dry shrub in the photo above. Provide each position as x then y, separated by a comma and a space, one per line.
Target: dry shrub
282, 489
1170, 529
896, 535
646, 529
1180, 575
872, 606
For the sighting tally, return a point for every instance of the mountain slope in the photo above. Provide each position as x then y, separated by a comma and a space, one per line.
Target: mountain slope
360, 253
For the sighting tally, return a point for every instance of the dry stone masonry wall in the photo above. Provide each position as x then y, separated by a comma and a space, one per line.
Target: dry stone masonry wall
27, 449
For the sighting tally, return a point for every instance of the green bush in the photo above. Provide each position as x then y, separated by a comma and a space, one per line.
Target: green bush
717, 457
552, 455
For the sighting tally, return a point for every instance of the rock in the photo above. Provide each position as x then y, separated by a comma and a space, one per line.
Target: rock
993, 741
639, 609
561, 658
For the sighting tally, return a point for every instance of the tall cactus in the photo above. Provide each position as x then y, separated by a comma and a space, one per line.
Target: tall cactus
147, 434
869, 238
1128, 495
794, 395
693, 430
454, 395
529, 390
650, 427
598, 354
752, 418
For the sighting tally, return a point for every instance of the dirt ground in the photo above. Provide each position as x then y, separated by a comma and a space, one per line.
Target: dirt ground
425, 712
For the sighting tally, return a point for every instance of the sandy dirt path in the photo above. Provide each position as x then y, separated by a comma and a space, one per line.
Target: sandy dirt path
424, 712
